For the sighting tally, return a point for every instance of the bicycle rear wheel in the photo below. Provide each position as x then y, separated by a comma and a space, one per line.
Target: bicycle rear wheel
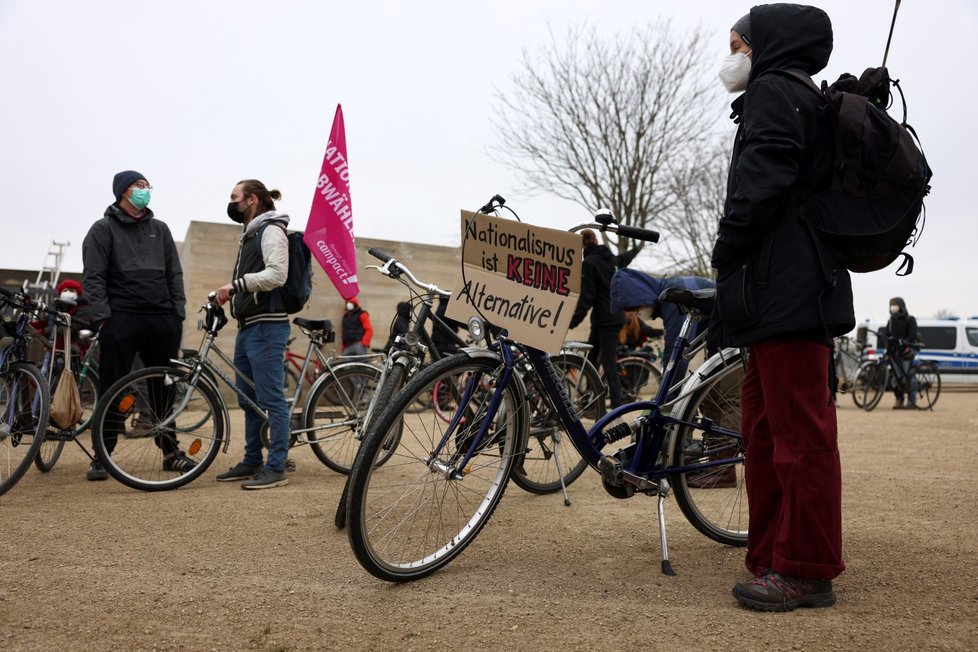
536, 470
149, 457
24, 404
640, 379
928, 381
413, 515
336, 407
713, 499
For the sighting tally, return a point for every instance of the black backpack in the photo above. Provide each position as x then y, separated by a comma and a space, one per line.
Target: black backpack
298, 286
870, 212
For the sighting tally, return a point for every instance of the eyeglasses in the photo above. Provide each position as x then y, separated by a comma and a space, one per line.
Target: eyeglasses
142, 185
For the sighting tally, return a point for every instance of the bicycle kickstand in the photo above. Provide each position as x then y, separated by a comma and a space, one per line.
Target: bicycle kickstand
662, 490
560, 471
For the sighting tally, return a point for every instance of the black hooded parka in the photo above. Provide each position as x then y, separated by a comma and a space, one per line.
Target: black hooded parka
773, 280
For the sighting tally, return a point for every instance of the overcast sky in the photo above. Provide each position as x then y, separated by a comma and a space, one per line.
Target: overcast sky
199, 94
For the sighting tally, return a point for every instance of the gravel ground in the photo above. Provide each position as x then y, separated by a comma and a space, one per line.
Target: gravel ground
210, 567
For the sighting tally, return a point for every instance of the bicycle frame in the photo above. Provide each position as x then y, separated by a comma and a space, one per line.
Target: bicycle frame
203, 362
652, 427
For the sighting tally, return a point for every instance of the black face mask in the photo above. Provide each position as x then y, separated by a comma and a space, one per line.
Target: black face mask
235, 213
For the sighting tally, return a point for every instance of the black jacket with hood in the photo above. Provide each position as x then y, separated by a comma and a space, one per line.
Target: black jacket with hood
596, 272
773, 280
131, 265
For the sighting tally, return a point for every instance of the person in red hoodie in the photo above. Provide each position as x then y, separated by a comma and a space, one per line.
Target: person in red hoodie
357, 329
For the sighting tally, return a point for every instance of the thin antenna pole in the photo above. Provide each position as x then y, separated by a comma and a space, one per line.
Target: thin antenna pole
886, 53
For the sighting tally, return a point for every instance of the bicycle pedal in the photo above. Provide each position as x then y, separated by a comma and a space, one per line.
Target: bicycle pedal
613, 477
289, 465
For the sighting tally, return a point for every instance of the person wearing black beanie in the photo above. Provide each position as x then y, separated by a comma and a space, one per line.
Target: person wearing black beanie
134, 282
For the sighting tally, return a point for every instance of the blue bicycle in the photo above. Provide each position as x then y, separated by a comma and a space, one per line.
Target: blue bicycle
415, 513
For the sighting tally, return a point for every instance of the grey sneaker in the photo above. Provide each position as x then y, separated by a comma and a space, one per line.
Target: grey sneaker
96, 472
266, 479
239, 471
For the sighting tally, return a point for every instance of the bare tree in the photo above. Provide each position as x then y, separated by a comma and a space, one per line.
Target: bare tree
604, 122
945, 313
689, 226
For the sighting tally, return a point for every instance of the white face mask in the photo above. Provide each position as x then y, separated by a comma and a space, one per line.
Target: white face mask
894, 310
349, 305
69, 296
735, 71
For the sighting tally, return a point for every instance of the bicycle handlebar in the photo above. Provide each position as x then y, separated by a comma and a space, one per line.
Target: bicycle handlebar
395, 268
604, 221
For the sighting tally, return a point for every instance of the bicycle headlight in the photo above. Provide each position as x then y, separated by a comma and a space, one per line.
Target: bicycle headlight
411, 338
477, 328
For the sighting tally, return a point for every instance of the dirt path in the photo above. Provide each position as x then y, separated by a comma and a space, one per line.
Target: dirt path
100, 566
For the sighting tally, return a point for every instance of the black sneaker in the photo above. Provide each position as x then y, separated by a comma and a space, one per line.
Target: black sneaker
775, 592
96, 472
179, 462
239, 471
266, 479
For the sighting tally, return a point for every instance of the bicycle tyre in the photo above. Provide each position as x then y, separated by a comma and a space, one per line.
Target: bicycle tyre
394, 379
49, 452
137, 458
412, 516
640, 379
535, 470
20, 384
928, 379
869, 385
713, 499
876, 386
337, 405
858, 385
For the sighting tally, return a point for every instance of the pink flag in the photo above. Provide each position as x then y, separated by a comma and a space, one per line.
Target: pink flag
329, 232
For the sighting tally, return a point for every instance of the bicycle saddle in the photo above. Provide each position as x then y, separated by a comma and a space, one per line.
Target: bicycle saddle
700, 300
313, 324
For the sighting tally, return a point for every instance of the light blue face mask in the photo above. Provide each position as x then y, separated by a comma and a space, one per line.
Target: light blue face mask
139, 198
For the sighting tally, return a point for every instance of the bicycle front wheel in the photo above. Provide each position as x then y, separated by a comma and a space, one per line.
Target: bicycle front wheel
143, 453
869, 386
548, 454
411, 516
714, 498
335, 413
50, 451
24, 404
927, 379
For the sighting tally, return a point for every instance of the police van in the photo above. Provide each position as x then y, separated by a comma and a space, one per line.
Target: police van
951, 343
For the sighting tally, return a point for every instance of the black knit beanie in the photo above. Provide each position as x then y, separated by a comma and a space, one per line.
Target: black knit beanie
123, 180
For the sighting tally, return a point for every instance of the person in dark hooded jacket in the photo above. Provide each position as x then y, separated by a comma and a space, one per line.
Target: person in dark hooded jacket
134, 282
596, 272
901, 336
783, 295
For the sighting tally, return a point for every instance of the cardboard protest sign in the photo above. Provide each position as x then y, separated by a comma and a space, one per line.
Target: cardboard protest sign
520, 277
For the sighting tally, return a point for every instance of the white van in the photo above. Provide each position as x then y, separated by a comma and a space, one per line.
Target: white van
951, 343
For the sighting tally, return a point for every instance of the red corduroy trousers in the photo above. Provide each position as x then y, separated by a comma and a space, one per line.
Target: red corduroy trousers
793, 471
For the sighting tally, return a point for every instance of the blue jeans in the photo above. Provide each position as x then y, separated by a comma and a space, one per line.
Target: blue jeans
259, 351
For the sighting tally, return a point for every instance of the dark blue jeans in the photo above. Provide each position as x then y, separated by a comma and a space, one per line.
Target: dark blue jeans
259, 353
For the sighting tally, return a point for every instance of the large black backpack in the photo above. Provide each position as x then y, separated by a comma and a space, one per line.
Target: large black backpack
298, 286
870, 212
